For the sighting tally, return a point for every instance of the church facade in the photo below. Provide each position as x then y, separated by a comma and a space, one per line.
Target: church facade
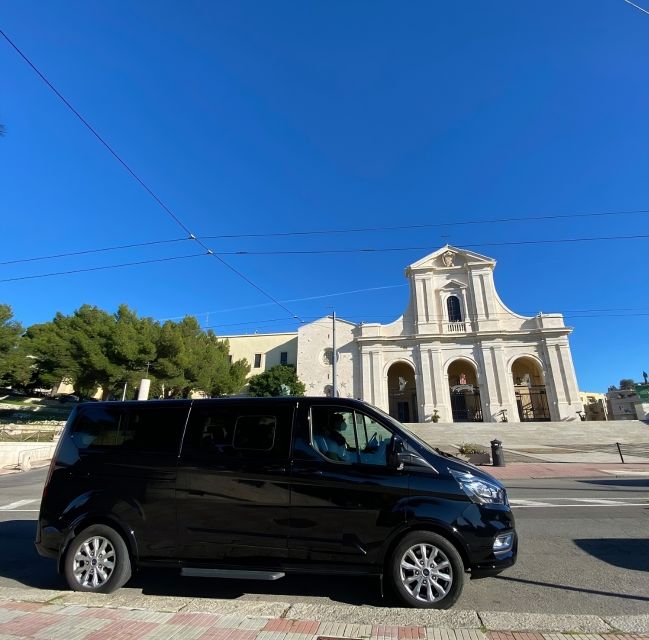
456, 354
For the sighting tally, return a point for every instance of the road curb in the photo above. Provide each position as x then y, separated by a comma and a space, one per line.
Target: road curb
344, 621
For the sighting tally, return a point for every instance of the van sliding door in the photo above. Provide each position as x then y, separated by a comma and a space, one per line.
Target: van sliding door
233, 486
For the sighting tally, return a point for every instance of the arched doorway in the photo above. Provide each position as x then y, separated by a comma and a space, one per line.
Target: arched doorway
402, 392
529, 387
465, 392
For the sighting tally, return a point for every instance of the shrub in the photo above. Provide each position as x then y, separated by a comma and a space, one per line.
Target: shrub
468, 448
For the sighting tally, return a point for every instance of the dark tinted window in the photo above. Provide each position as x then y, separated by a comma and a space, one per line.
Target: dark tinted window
142, 429
238, 431
255, 432
283, 357
98, 427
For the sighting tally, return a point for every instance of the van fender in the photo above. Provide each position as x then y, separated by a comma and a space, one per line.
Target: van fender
102, 508
425, 524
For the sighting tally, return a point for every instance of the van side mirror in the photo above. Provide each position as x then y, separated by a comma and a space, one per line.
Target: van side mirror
395, 449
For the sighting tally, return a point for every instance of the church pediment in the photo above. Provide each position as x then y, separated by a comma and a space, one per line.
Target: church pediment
449, 258
452, 285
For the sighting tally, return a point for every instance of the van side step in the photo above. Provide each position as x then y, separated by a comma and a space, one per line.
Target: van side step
235, 574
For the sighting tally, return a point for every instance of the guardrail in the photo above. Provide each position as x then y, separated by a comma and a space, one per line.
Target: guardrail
22, 435
635, 449
25, 458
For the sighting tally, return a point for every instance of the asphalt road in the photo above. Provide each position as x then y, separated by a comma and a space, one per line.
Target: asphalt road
584, 549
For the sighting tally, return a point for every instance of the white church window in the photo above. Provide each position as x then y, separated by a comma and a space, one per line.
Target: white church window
453, 308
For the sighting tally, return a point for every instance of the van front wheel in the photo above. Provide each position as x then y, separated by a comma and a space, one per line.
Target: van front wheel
427, 571
97, 561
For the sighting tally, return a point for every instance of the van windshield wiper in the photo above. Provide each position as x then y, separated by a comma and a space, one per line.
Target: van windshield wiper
446, 454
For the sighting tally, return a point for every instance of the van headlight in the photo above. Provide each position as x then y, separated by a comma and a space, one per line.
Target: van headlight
479, 490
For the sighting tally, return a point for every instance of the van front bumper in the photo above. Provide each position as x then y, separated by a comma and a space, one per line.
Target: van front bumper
494, 562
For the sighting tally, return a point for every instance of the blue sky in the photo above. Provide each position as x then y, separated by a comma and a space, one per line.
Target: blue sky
267, 117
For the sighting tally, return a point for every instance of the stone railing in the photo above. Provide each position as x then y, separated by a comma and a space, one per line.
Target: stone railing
456, 327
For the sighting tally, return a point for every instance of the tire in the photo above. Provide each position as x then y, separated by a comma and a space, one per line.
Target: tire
97, 561
427, 571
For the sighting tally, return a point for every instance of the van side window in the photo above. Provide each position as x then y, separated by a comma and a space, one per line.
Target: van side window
156, 429
255, 432
141, 429
332, 433
98, 427
221, 431
373, 440
349, 436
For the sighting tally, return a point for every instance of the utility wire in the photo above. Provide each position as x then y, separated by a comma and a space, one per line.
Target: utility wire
428, 248
141, 182
327, 324
314, 251
110, 266
427, 226
88, 251
637, 6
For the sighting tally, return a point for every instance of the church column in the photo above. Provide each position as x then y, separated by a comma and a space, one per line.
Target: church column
374, 383
422, 381
562, 380
434, 385
499, 394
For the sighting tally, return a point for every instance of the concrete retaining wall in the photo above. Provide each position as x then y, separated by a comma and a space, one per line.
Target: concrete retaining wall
22, 453
533, 433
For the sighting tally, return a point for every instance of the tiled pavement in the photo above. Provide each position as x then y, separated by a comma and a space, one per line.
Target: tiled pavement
74, 622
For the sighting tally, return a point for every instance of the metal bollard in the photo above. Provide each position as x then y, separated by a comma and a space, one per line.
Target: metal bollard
497, 456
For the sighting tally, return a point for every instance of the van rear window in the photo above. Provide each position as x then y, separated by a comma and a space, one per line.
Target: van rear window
141, 429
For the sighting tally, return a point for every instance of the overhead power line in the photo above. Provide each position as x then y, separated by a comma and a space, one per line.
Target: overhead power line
102, 268
308, 251
327, 324
432, 225
89, 251
139, 180
637, 6
429, 248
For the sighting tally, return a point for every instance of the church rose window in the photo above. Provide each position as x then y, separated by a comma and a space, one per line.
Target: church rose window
328, 357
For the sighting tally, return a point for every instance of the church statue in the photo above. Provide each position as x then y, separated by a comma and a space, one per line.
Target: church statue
447, 258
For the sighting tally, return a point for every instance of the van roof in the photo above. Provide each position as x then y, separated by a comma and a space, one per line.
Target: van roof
228, 400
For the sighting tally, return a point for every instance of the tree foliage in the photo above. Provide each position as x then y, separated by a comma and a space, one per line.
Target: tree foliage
274, 381
627, 383
14, 366
92, 348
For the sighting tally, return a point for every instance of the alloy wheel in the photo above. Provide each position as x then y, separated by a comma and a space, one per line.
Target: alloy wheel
426, 572
94, 562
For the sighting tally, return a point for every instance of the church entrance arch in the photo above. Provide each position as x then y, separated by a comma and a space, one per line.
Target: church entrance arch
402, 392
529, 387
465, 392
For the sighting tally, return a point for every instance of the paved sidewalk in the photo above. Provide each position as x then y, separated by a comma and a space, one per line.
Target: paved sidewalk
531, 470
48, 621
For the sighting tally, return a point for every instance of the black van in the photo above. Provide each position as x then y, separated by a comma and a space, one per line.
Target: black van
256, 487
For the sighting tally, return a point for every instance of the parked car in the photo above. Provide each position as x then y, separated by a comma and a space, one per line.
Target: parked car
259, 487
67, 397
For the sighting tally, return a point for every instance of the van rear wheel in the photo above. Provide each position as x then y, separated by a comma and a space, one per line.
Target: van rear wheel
97, 561
427, 571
